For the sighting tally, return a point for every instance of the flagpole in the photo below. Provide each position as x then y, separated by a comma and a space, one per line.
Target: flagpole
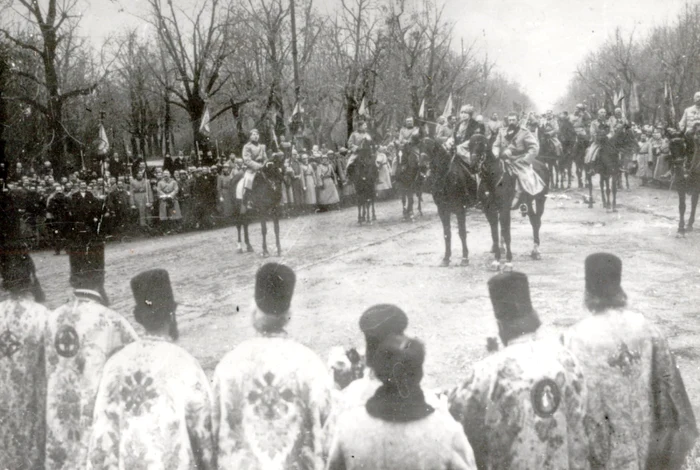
218, 155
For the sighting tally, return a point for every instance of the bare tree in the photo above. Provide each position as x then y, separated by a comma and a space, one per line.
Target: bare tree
52, 39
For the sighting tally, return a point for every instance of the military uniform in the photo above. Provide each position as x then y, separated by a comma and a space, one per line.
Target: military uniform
81, 336
691, 116
271, 399
22, 382
153, 410
633, 383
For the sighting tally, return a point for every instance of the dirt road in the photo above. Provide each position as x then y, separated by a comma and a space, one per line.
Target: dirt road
344, 268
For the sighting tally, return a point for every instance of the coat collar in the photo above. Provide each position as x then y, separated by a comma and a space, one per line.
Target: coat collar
89, 294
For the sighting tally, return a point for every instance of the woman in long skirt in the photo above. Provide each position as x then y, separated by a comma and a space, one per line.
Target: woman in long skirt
310, 182
141, 198
384, 173
328, 191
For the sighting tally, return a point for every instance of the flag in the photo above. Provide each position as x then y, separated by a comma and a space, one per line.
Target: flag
204, 125
635, 108
448, 107
363, 109
103, 143
297, 110
668, 100
421, 111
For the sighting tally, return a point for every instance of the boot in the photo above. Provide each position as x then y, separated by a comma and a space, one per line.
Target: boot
516, 197
247, 203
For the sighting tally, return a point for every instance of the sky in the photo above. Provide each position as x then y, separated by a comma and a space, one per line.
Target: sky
537, 43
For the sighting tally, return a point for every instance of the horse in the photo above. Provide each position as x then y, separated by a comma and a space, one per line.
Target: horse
363, 173
454, 188
567, 137
549, 155
686, 175
607, 165
241, 218
407, 177
578, 155
265, 198
496, 193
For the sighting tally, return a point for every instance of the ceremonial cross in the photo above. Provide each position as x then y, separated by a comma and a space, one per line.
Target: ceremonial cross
67, 342
9, 344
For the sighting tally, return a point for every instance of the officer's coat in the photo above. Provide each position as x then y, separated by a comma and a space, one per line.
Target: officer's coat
524, 408
81, 336
631, 376
271, 399
153, 410
22, 382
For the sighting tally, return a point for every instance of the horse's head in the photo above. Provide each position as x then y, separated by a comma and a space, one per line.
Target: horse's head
274, 167
433, 154
479, 149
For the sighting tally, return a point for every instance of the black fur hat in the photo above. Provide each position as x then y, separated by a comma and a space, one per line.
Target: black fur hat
274, 288
19, 274
510, 297
154, 297
382, 320
603, 275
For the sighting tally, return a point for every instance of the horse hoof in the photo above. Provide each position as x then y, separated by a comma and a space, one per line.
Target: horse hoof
445, 262
265, 254
614, 210
507, 267
689, 228
240, 250
536, 255
464, 262
495, 266
250, 249
374, 217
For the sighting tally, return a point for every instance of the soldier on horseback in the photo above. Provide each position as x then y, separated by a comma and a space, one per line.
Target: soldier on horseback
690, 117
254, 158
600, 131
468, 126
582, 122
550, 130
518, 149
359, 138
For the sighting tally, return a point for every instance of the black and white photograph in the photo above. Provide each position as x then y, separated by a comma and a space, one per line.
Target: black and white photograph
349, 234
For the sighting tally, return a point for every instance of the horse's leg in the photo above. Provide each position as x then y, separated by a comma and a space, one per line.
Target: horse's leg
589, 183
492, 217
419, 195
614, 191
603, 180
403, 199
505, 219
536, 222
359, 209
681, 209
409, 208
276, 227
446, 233
374, 215
693, 206
248, 246
462, 228
238, 229
263, 229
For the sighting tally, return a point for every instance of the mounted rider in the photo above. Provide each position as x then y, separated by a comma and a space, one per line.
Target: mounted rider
468, 125
518, 148
582, 122
254, 158
690, 117
357, 139
600, 131
617, 120
550, 129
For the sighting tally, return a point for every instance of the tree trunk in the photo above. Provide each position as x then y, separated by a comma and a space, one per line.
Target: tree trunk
295, 55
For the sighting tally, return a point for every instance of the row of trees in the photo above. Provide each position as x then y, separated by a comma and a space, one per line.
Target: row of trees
657, 73
249, 62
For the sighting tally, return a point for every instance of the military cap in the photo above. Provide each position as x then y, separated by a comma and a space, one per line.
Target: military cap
274, 288
603, 275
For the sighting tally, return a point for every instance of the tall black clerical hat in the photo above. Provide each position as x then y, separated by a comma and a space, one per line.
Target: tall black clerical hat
274, 288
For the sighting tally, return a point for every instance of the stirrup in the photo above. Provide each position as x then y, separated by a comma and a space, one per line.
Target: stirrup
523, 210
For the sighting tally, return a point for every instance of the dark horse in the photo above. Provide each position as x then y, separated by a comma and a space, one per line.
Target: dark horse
496, 192
567, 136
549, 156
408, 177
686, 174
578, 155
363, 173
265, 197
607, 165
454, 189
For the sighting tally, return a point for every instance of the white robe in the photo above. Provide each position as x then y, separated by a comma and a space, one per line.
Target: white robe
22, 383
271, 399
153, 410
81, 336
